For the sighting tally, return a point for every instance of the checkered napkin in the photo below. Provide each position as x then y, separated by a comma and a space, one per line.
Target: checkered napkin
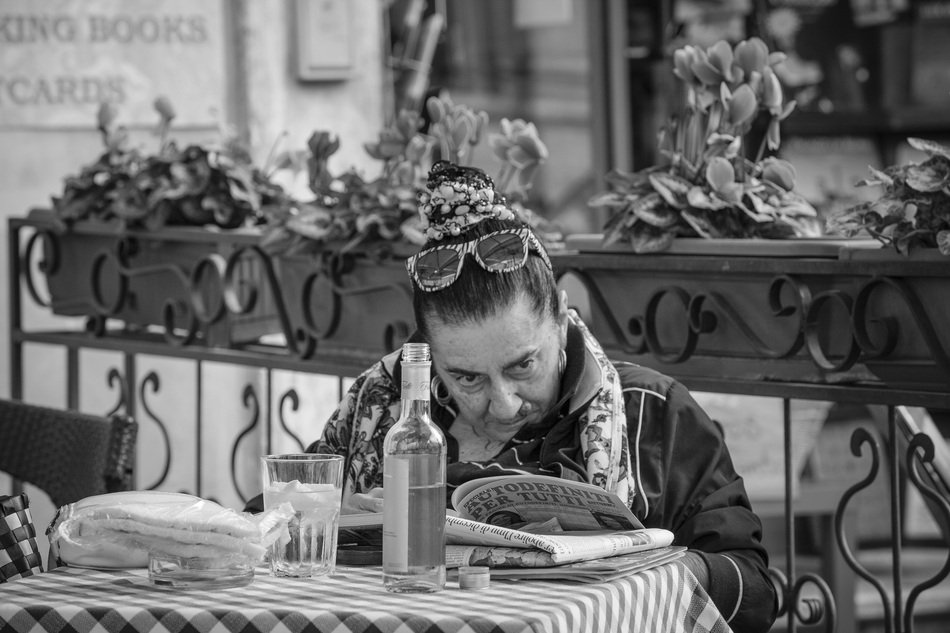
19, 555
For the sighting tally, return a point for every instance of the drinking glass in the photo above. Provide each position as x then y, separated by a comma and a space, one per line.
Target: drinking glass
312, 484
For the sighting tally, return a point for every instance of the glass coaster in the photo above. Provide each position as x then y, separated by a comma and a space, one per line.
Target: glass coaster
199, 573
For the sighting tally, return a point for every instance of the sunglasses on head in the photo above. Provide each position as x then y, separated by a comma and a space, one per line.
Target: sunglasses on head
498, 252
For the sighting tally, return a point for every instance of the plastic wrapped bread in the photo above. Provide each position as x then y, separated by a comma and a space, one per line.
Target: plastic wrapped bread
118, 530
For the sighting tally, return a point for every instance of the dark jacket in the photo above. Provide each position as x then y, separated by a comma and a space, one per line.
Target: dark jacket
687, 483
693, 490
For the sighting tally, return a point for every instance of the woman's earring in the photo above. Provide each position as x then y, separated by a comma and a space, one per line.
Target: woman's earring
439, 391
561, 361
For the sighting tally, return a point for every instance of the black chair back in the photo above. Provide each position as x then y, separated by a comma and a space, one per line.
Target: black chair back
67, 454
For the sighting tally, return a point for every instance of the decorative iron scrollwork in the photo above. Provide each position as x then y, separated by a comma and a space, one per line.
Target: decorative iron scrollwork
813, 329
241, 296
122, 403
800, 607
152, 380
325, 286
888, 326
704, 321
206, 293
250, 402
48, 265
898, 613
637, 324
920, 454
290, 396
808, 315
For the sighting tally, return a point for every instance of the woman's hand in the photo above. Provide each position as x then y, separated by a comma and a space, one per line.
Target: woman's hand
362, 502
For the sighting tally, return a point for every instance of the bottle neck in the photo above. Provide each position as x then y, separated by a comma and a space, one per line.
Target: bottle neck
415, 389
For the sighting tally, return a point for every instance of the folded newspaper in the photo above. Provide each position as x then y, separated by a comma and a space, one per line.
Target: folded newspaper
596, 570
524, 521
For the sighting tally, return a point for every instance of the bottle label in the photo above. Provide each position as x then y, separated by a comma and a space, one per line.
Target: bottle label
415, 381
396, 514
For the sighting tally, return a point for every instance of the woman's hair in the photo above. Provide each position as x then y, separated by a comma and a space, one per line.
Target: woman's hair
478, 293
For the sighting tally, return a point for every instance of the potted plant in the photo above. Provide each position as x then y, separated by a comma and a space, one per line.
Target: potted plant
127, 238
349, 211
913, 210
341, 254
711, 183
197, 240
734, 312
212, 184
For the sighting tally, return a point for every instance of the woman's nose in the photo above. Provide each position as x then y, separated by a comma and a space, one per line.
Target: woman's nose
505, 402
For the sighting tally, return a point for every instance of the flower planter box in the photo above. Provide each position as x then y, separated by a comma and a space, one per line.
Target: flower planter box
350, 304
841, 313
217, 288
171, 280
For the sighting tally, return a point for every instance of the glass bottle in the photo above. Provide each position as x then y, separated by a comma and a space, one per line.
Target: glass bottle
414, 486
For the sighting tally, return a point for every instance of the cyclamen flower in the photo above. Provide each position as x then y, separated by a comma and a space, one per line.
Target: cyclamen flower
522, 152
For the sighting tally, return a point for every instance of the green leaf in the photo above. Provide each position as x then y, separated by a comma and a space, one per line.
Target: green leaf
781, 172
700, 199
943, 242
651, 210
607, 200
700, 224
614, 231
672, 189
720, 173
888, 207
646, 239
228, 215
933, 175
195, 211
931, 147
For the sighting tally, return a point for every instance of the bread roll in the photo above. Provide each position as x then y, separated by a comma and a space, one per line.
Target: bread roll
120, 529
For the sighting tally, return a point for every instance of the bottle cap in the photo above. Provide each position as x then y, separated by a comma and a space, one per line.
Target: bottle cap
473, 577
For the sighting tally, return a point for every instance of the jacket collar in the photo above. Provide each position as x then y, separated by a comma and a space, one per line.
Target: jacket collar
581, 380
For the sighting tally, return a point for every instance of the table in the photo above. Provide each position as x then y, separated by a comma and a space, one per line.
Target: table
665, 598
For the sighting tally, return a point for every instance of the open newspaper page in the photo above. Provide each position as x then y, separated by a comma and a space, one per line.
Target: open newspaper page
597, 570
516, 500
469, 540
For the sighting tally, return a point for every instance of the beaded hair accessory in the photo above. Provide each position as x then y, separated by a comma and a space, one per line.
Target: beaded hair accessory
457, 198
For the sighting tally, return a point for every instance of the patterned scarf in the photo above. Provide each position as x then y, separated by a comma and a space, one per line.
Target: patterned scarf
604, 443
372, 406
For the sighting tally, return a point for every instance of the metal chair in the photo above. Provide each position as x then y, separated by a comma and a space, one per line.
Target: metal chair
67, 454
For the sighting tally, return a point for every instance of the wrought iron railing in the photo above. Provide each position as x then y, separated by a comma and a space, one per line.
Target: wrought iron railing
863, 328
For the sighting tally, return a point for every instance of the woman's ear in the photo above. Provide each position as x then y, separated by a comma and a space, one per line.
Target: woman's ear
562, 316
562, 304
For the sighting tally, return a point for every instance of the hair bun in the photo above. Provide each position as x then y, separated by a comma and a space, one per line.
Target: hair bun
457, 198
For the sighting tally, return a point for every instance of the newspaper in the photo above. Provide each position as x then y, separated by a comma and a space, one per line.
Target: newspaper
468, 541
597, 570
536, 521
516, 500
519, 500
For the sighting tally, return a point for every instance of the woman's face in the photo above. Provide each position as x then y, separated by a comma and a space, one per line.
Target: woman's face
502, 372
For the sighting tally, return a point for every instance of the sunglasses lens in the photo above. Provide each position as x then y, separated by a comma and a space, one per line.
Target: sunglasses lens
501, 251
437, 268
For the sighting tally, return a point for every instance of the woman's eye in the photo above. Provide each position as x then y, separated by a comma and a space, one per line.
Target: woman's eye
524, 366
467, 381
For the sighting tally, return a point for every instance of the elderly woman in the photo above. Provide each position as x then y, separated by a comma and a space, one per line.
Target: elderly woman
521, 386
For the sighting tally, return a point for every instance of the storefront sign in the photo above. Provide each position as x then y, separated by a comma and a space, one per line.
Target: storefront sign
59, 59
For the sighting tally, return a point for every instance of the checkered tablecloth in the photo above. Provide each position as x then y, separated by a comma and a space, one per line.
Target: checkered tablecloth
662, 599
